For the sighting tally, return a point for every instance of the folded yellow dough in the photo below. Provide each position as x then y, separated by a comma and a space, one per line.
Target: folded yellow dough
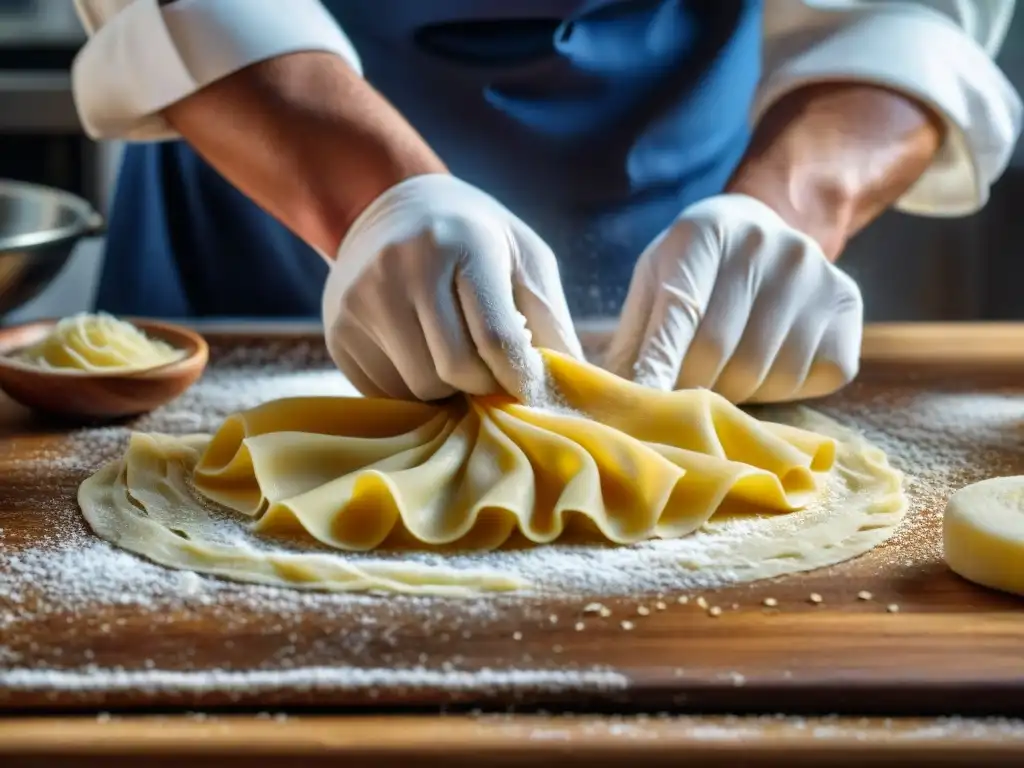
625, 461
612, 461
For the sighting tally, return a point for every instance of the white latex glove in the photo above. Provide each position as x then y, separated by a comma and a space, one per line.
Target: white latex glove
437, 288
732, 298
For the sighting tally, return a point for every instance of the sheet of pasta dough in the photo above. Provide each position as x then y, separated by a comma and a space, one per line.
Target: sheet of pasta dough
327, 493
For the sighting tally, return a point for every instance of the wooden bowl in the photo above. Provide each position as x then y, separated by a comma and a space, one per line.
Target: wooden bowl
100, 394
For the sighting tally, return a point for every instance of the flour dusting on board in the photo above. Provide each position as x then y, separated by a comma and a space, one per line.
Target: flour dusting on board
942, 439
83, 588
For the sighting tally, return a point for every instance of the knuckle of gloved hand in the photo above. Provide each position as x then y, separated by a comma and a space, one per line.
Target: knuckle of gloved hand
824, 378
506, 344
450, 366
848, 304
713, 350
834, 376
844, 358
463, 238
444, 237
849, 298
795, 254
428, 387
841, 281
692, 238
338, 354
348, 367
461, 370
739, 381
849, 367
842, 364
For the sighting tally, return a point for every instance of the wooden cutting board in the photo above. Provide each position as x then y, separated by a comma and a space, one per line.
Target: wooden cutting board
84, 627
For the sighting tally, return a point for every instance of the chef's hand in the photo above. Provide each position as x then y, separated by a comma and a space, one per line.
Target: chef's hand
732, 298
740, 294
438, 288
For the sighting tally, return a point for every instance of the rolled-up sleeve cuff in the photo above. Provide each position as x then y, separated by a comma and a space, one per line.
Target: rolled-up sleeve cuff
147, 57
930, 59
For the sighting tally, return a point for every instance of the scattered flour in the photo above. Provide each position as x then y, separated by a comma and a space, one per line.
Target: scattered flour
735, 729
943, 436
77, 591
758, 728
66, 585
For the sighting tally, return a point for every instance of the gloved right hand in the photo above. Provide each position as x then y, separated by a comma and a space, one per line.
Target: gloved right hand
438, 288
732, 298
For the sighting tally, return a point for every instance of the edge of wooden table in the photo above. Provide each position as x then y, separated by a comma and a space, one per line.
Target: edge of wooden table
913, 342
508, 740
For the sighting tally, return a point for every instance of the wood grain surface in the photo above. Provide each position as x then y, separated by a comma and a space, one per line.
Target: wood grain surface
457, 742
951, 649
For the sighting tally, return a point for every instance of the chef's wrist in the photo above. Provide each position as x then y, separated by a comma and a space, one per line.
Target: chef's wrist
382, 165
819, 207
831, 157
349, 145
306, 138
796, 165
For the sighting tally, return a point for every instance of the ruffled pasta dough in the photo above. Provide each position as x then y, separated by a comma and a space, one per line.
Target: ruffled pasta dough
99, 342
614, 462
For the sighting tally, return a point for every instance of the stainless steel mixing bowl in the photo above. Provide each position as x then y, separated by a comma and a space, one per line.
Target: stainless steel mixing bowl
39, 227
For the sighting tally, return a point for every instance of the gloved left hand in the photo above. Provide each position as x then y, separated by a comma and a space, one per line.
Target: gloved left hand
732, 298
438, 288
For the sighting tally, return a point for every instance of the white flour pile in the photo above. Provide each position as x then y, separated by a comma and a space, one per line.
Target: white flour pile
81, 589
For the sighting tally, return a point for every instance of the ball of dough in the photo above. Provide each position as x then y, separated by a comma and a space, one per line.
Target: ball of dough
983, 533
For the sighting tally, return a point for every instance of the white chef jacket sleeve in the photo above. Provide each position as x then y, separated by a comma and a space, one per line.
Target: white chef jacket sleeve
937, 51
142, 56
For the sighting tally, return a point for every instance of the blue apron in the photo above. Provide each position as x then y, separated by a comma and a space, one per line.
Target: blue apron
596, 121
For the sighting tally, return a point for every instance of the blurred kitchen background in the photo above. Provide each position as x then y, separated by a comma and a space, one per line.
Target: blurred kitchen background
909, 268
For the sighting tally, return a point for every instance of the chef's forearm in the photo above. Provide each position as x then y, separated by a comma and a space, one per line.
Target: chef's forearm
831, 157
306, 138
270, 92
